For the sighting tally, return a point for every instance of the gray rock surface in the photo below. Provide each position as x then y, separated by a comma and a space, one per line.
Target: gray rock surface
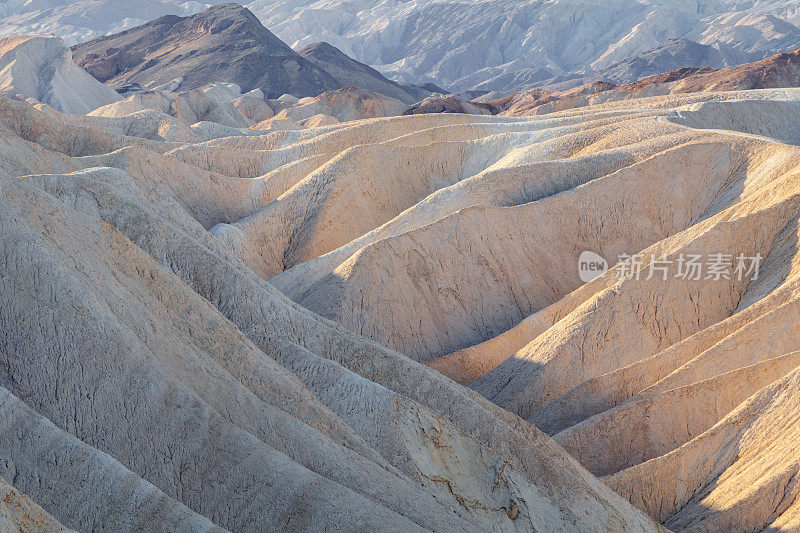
351, 73
234, 47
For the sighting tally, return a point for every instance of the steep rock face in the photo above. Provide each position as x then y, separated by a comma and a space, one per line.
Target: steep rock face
129, 333
351, 73
223, 43
42, 68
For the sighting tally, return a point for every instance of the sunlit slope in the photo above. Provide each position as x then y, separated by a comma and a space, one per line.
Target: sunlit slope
152, 379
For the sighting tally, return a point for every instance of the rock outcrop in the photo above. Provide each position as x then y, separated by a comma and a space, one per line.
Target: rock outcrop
225, 43
19, 513
351, 73
450, 104
41, 67
344, 105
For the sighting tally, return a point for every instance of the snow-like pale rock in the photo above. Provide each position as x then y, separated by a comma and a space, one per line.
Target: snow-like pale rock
226, 92
42, 68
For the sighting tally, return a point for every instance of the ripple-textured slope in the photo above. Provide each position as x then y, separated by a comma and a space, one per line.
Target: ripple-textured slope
151, 380
455, 240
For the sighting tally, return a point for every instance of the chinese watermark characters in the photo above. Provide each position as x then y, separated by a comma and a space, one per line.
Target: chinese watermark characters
689, 267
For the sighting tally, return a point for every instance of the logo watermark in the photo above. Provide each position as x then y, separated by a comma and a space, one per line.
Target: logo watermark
690, 267
591, 266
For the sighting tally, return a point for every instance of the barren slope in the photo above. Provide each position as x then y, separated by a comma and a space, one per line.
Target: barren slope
251, 308
151, 377
455, 240
225, 43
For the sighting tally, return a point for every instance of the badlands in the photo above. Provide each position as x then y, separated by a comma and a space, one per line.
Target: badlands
225, 312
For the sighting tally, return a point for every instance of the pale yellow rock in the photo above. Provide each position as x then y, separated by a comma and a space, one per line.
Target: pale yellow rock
319, 120
224, 293
151, 380
19, 513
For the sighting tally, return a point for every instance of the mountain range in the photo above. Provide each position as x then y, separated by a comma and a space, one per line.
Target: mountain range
490, 44
227, 43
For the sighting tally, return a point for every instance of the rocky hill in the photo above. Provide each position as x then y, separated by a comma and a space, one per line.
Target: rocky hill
224, 43
778, 71
499, 45
351, 73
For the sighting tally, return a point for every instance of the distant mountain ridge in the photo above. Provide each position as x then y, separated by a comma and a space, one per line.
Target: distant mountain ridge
775, 72
493, 45
674, 54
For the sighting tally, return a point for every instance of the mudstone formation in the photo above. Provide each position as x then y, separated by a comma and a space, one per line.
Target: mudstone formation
223, 309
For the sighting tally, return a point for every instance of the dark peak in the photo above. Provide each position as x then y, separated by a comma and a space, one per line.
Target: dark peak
225, 42
323, 50
227, 9
222, 16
